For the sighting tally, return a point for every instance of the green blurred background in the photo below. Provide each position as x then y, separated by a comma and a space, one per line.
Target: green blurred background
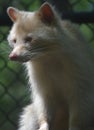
14, 89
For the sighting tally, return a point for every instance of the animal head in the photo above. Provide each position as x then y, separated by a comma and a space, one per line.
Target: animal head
33, 33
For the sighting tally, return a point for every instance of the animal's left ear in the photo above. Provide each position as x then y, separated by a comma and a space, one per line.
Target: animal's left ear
46, 13
13, 13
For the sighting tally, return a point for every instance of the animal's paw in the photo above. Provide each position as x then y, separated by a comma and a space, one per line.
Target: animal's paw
44, 126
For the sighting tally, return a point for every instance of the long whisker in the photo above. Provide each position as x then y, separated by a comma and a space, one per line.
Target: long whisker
38, 49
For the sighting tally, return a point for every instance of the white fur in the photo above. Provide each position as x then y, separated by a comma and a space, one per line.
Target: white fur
28, 119
61, 78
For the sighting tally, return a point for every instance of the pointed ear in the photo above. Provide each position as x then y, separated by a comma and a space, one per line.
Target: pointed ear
46, 13
13, 13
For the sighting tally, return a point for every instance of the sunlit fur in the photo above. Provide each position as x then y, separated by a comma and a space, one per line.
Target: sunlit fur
60, 66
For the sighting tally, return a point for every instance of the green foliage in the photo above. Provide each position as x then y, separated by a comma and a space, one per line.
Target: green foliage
82, 5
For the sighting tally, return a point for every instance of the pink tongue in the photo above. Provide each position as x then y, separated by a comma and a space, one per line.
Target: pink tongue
13, 56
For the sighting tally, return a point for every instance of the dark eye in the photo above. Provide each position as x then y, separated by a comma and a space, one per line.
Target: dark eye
28, 39
14, 40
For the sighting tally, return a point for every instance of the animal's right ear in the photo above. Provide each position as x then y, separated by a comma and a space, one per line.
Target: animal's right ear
13, 13
47, 13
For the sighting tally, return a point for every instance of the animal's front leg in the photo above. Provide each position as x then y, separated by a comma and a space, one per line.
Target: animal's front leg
44, 126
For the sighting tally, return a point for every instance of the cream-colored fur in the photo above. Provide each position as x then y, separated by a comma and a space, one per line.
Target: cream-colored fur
60, 66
